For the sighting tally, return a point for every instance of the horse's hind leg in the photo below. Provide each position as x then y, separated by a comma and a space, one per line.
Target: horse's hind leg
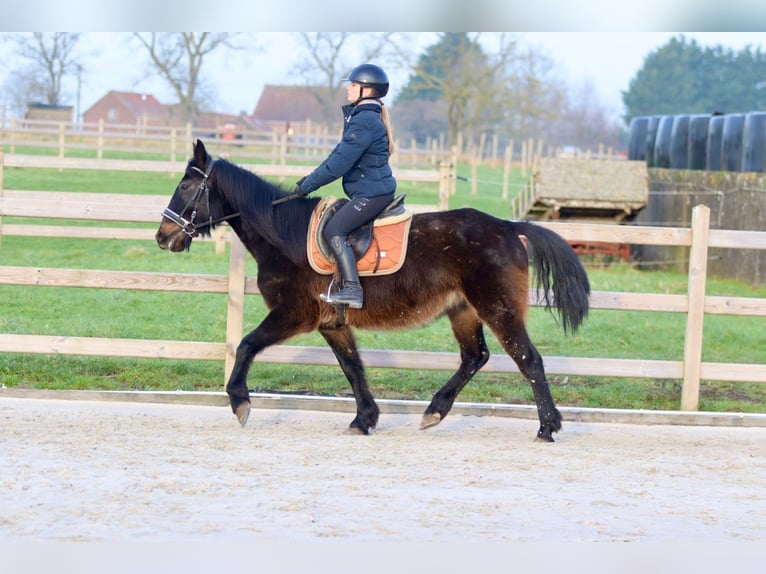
342, 343
512, 334
474, 354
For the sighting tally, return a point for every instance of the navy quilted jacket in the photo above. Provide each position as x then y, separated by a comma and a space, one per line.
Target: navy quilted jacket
360, 158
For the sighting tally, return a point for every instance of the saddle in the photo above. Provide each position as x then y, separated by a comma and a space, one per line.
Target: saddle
380, 246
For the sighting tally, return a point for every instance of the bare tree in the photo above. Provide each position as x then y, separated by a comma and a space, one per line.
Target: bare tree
470, 82
532, 96
585, 121
329, 60
50, 57
178, 58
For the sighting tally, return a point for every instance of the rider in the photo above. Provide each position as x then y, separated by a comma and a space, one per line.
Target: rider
361, 159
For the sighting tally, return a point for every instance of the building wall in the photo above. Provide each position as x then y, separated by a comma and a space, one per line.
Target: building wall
737, 200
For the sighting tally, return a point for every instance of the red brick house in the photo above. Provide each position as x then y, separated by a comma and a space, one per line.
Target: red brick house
290, 107
131, 108
127, 108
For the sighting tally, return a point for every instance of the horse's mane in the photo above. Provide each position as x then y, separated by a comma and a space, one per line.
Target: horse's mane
284, 226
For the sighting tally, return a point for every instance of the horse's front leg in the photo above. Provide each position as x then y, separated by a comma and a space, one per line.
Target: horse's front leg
278, 326
342, 343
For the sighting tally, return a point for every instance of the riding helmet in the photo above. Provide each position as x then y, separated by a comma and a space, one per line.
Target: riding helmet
370, 75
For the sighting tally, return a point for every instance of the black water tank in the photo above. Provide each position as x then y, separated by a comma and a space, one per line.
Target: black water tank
651, 136
637, 138
754, 142
731, 142
662, 142
679, 142
713, 145
697, 141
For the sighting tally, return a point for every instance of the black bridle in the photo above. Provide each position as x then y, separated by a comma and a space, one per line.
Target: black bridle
188, 226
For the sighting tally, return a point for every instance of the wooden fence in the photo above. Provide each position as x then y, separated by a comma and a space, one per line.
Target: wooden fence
303, 141
695, 303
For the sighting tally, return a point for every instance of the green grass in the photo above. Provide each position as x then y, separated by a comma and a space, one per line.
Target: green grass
201, 317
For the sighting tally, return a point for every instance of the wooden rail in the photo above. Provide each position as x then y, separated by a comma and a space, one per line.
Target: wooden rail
695, 304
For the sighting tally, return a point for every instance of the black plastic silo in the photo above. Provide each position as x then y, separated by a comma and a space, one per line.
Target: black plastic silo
731, 142
651, 136
662, 142
754, 142
679, 142
637, 138
714, 141
697, 142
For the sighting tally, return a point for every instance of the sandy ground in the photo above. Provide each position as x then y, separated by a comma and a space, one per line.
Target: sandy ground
103, 471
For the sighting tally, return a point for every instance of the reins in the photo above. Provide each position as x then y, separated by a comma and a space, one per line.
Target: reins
187, 225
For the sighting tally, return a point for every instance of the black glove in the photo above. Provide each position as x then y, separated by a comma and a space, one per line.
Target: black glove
298, 188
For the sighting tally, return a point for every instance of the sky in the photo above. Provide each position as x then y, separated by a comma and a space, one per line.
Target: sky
607, 59
587, 40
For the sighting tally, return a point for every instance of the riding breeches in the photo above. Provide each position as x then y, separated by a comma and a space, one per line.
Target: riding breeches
354, 214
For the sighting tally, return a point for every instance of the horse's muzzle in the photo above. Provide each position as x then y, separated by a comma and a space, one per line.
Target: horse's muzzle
170, 237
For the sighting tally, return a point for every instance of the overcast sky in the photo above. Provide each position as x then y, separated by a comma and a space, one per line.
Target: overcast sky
607, 59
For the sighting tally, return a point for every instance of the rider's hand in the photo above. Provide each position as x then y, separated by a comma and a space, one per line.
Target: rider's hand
298, 188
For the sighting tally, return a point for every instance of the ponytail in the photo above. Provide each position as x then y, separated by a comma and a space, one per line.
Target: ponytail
387, 123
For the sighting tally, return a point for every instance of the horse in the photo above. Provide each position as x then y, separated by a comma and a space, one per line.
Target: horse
462, 263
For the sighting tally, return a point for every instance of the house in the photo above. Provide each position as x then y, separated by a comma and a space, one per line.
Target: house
131, 109
290, 108
127, 108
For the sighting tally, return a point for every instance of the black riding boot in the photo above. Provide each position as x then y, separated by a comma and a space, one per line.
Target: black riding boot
351, 294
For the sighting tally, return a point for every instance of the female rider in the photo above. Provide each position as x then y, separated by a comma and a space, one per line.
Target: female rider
361, 159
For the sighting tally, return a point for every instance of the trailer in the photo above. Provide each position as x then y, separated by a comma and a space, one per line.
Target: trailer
585, 190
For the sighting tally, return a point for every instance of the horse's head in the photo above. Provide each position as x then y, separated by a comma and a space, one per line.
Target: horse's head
188, 213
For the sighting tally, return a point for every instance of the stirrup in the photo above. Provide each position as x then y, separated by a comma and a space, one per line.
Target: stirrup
331, 297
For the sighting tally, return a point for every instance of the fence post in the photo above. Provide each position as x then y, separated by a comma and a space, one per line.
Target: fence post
507, 167
100, 144
445, 181
696, 313
173, 144
2, 163
282, 154
236, 302
62, 129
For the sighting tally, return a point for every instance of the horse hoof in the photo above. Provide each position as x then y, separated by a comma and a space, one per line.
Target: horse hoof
356, 431
430, 420
243, 413
544, 436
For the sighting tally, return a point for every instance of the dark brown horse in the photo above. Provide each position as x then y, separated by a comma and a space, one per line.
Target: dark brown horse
461, 263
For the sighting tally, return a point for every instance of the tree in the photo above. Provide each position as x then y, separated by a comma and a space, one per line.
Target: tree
50, 57
683, 78
532, 97
178, 58
583, 121
457, 70
329, 60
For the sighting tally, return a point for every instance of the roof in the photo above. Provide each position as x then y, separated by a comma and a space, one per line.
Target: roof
291, 103
140, 104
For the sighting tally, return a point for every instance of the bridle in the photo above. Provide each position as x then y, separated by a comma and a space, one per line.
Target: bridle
188, 226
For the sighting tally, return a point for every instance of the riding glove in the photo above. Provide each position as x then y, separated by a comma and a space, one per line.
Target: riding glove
298, 189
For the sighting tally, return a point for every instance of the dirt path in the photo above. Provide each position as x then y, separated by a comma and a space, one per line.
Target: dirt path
86, 470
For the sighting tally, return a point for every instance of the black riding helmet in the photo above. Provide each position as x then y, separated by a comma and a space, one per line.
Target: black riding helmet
369, 75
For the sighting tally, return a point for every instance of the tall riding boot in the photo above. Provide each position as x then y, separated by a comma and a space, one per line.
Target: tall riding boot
351, 294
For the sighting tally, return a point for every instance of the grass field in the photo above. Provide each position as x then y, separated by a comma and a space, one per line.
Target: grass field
114, 313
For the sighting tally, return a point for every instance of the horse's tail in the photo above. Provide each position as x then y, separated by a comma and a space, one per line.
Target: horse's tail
559, 272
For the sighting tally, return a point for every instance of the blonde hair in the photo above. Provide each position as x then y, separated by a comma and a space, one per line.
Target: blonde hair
387, 123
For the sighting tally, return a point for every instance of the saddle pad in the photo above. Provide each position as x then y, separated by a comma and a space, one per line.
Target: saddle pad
385, 255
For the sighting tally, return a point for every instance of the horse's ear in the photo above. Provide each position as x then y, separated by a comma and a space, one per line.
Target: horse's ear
200, 153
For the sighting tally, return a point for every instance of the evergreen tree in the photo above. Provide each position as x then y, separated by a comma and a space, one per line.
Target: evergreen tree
683, 78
